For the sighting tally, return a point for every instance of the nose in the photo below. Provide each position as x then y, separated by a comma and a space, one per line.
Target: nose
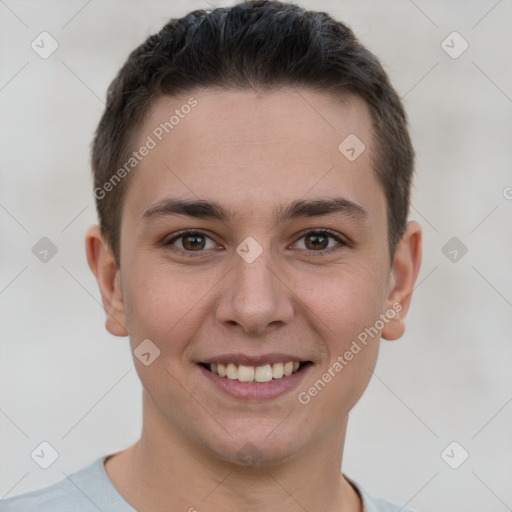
255, 297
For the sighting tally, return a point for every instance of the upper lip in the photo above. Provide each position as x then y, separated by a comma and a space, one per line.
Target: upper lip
254, 360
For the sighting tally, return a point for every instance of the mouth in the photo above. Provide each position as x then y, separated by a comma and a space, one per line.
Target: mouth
256, 374
255, 378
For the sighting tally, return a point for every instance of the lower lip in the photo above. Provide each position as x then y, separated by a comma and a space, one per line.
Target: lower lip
256, 390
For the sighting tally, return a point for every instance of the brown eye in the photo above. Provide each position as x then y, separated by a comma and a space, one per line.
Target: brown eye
191, 242
320, 241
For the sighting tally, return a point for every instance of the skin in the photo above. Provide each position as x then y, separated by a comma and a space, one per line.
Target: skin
250, 152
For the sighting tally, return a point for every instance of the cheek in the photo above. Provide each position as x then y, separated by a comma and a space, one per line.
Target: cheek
342, 301
163, 305
344, 307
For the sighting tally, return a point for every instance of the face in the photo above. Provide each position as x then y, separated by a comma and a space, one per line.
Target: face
249, 239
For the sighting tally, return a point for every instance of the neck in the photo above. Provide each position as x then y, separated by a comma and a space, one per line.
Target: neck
165, 469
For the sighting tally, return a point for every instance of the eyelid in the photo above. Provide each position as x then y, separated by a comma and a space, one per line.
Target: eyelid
181, 234
342, 241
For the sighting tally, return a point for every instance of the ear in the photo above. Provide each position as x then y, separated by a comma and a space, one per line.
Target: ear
103, 266
404, 271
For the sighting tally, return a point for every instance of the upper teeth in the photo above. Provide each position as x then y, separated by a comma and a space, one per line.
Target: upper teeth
262, 373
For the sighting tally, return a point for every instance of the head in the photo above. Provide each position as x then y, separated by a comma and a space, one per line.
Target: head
286, 134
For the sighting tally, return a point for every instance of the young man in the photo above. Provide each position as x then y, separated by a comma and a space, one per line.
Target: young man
252, 172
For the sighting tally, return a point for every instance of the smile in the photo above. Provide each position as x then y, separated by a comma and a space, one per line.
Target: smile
261, 373
255, 377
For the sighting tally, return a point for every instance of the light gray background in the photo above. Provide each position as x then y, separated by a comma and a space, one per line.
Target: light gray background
65, 380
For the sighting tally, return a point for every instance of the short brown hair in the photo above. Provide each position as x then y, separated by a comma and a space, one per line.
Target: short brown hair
253, 45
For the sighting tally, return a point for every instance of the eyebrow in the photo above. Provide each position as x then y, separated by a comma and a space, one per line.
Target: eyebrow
205, 209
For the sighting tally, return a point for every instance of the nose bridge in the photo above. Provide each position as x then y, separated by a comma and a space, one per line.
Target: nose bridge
254, 279
255, 297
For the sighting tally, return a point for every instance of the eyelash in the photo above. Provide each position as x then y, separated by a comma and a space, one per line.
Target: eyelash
198, 254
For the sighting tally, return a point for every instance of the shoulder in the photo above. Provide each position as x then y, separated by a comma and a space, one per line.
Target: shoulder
371, 504
58, 497
83, 491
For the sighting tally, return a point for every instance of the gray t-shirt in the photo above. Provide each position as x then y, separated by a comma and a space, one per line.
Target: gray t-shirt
90, 490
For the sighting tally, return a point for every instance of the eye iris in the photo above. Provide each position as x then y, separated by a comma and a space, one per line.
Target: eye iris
316, 239
197, 242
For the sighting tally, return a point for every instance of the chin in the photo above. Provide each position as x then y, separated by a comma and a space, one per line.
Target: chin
255, 447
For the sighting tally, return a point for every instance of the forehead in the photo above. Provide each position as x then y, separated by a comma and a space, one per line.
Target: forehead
250, 149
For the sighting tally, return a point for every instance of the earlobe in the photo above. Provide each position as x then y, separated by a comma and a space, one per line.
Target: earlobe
404, 272
102, 264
